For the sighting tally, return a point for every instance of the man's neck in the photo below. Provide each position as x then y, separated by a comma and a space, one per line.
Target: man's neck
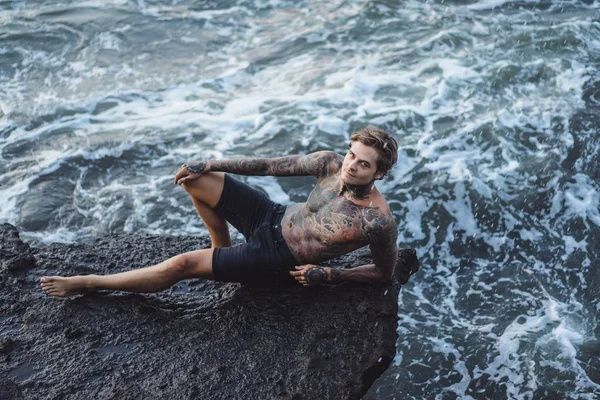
356, 192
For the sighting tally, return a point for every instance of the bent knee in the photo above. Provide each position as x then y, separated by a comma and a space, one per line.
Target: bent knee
205, 181
207, 188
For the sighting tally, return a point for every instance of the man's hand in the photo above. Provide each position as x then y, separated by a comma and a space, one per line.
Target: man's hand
190, 171
311, 275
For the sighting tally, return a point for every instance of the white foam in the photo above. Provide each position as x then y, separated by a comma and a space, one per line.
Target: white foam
571, 245
413, 219
487, 4
445, 348
508, 363
109, 41
578, 200
45, 162
332, 125
271, 186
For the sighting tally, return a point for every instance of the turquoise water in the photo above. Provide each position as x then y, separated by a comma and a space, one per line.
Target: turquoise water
494, 104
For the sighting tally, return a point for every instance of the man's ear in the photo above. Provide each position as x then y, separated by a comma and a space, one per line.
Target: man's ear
379, 175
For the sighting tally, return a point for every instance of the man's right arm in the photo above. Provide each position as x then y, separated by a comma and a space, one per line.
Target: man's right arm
317, 164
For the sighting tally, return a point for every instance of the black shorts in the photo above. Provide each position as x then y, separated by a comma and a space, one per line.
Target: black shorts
265, 258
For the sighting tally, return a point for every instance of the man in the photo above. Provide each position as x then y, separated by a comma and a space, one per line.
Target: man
344, 212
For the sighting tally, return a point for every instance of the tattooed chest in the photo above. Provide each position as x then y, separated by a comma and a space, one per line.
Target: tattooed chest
333, 219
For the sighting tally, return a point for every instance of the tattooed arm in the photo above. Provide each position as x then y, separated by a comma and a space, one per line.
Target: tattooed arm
383, 249
317, 164
314, 275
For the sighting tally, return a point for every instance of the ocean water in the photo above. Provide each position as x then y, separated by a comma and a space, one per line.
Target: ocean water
494, 103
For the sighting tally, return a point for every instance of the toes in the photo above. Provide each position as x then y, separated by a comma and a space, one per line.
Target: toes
48, 286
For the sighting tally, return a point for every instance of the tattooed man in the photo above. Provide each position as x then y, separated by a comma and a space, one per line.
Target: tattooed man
344, 212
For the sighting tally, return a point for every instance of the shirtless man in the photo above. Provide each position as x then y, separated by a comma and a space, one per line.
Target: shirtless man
344, 212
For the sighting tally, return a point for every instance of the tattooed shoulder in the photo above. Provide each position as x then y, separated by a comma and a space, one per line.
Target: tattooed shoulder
380, 223
328, 162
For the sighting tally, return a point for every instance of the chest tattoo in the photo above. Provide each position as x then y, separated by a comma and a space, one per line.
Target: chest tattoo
332, 223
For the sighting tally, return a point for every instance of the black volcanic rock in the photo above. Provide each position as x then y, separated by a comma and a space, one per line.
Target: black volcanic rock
197, 340
14, 254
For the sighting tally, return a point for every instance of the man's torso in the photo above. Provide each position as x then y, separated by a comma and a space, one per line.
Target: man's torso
329, 224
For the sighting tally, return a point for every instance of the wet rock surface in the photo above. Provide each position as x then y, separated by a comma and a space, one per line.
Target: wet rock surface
199, 339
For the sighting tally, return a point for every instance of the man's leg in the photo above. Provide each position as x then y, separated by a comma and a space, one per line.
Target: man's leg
195, 264
205, 193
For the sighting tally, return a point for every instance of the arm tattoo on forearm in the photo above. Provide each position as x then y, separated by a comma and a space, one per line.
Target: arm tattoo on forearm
195, 167
316, 164
335, 275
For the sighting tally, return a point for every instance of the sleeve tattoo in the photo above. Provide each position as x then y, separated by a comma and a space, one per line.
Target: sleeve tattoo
314, 164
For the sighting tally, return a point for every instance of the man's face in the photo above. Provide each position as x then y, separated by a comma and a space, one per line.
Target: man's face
360, 165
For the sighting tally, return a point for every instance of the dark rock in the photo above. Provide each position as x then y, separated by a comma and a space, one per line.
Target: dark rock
10, 390
201, 339
407, 265
6, 345
15, 255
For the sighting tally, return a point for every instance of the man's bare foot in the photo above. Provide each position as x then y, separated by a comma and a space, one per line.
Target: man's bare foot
60, 286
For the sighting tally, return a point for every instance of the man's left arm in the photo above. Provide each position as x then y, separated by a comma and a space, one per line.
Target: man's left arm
383, 250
